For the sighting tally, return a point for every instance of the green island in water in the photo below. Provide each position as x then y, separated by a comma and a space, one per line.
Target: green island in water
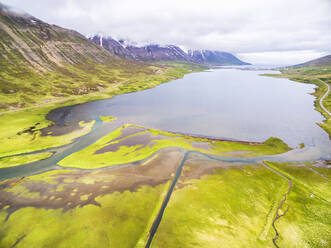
99, 181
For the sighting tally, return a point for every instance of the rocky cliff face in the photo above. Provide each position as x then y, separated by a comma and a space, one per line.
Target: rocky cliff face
29, 41
215, 57
141, 53
157, 53
113, 46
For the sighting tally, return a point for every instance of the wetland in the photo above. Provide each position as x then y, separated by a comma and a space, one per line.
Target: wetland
198, 161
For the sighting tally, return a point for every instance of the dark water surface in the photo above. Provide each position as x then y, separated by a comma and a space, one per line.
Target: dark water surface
224, 103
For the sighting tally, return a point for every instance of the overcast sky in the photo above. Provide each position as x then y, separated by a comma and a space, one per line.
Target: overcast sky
258, 31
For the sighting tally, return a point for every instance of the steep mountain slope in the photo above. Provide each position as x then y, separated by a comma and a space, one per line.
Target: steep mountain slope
165, 53
142, 53
113, 46
215, 57
39, 62
158, 53
323, 61
41, 46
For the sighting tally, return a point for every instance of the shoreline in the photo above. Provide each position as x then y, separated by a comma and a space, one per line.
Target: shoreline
318, 94
17, 121
108, 93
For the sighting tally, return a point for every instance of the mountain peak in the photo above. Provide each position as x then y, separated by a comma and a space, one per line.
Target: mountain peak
156, 52
141, 52
215, 57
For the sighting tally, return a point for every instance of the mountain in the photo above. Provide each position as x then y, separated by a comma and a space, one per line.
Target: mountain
164, 53
33, 43
158, 53
152, 52
323, 61
215, 57
113, 46
40, 63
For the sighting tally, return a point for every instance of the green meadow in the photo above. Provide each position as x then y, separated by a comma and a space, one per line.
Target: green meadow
70, 208
235, 207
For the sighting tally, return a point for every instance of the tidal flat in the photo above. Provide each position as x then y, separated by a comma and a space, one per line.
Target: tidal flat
213, 202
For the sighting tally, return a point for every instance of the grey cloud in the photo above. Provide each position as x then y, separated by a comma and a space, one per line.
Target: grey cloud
253, 29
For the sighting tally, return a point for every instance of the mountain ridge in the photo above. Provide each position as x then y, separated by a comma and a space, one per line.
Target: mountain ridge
42, 63
321, 61
156, 52
215, 57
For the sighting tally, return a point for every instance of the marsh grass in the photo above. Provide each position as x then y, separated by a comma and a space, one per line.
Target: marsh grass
88, 158
120, 220
24, 159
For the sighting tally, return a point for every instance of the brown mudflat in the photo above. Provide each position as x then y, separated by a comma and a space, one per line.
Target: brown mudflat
143, 140
72, 189
198, 165
127, 131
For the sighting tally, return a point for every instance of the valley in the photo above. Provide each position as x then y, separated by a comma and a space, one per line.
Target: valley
104, 143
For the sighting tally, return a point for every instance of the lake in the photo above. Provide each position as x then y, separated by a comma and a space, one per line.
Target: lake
223, 103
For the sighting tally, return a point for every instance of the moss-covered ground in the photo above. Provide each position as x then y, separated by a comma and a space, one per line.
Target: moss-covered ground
118, 220
214, 203
107, 118
229, 203
235, 207
115, 149
21, 87
232, 207
307, 223
23, 159
20, 133
68, 208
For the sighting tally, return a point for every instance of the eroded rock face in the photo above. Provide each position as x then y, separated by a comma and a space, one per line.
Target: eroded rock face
152, 52
113, 46
156, 52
